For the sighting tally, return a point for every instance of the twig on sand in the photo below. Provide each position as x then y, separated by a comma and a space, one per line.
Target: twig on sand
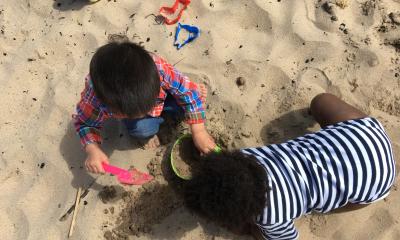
178, 61
69, 211
78, 197
159, 19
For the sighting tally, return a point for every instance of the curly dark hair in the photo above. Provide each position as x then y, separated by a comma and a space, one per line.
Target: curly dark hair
228, 188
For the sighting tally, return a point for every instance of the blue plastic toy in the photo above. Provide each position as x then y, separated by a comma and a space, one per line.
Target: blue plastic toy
194, 32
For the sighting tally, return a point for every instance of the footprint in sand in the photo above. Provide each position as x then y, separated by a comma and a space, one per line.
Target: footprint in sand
325, 16
365, 12
367, 58
315, 81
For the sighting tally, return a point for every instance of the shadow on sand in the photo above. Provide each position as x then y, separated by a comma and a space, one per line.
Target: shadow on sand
74, 155
288, 126
157, 210
71, 5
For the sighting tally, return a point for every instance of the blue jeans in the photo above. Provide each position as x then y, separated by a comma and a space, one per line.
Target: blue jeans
148, 126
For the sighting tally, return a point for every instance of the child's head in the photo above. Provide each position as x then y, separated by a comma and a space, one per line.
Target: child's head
125, 78
228, 188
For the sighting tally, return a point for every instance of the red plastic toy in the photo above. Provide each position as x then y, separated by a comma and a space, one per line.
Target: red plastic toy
165, 11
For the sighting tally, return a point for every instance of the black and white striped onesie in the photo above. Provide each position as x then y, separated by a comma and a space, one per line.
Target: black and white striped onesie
348, 162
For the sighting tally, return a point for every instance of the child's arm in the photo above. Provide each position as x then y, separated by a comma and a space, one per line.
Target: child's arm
203, 141
187, 95
285, 230
88, 122
95, 158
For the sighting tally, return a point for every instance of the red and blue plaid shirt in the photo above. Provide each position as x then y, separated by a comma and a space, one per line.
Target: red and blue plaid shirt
91, 113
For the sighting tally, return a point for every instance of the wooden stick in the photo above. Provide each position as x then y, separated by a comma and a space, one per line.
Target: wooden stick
71, 229
71, 209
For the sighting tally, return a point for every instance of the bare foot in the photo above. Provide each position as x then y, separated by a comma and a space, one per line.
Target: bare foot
152, 143
203, 92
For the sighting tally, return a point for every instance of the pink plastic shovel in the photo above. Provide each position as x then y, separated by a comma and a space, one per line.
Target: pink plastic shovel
131, 177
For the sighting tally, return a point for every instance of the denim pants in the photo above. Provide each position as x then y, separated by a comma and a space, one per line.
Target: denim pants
147, 127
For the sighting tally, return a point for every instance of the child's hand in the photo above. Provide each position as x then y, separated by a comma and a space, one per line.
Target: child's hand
95, 158
202, 140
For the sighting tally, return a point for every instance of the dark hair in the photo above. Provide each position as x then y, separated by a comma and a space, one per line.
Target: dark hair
125, 78
228, 188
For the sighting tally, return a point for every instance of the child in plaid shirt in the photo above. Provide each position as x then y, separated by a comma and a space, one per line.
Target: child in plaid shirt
126, 82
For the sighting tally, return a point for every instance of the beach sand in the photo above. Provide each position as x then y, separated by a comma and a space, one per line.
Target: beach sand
285, 52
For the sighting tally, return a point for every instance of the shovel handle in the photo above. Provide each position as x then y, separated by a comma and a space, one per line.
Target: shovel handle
113, 169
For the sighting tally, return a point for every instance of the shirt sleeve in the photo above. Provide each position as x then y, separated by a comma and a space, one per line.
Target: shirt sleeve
281, 231
185, 92
89, 117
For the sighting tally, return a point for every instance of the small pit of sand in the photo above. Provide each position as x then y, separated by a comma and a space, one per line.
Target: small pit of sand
185, 156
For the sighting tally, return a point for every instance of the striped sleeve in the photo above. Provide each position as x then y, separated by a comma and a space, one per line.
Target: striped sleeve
281, 231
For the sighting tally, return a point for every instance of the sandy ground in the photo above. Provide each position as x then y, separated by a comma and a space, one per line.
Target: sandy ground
286, 51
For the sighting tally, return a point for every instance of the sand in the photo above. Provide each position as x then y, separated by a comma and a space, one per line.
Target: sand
286, 51
184, 156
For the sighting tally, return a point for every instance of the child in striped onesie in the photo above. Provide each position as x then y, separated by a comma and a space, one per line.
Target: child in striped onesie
349, 162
